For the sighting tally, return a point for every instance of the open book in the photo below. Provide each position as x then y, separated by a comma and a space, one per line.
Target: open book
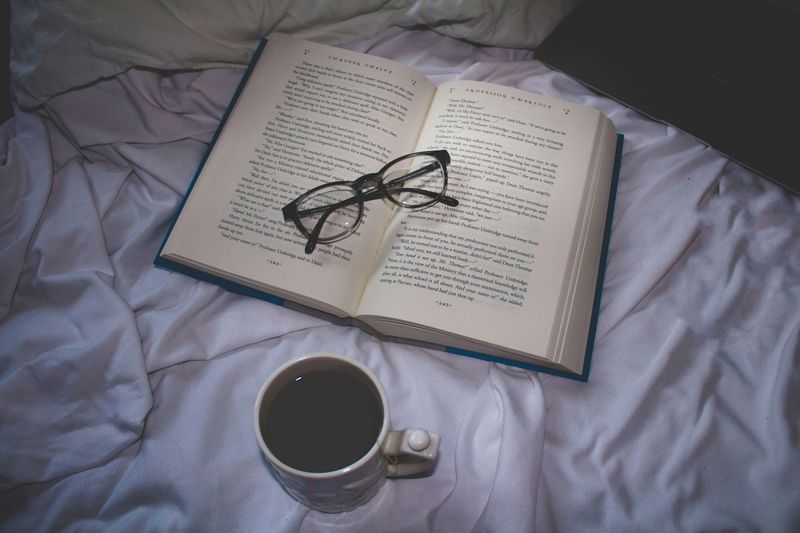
510, 273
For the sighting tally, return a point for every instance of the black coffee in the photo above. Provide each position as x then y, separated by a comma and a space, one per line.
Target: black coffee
322, 420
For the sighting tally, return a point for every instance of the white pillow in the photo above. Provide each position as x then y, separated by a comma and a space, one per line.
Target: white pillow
58, 45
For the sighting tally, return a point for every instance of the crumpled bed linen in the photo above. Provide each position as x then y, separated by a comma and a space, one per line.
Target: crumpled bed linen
127, 391
57, 45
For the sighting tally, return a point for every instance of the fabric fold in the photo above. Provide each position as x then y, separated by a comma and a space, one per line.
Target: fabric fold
25, 176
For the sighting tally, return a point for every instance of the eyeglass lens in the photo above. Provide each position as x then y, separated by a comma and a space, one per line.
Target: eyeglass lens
416, 181
339, 222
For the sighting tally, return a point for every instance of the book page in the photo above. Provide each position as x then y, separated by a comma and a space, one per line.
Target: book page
309, 114
492, 268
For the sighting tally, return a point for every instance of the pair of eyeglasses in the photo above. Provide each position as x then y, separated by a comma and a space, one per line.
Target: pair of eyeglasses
333, 211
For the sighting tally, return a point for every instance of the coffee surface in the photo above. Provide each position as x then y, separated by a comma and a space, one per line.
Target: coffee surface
322, 421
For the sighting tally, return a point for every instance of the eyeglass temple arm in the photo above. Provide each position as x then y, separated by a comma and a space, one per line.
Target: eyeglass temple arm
447, 200
289, 214
313, 237
411, 175
290, 211
373, 195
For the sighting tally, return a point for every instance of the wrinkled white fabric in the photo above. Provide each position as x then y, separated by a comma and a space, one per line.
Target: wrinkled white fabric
127, 391
57, 45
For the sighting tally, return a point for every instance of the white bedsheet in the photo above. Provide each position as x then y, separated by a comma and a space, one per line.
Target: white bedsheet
127, 391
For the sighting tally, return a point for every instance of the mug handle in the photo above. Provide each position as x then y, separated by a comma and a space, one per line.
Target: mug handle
410, 451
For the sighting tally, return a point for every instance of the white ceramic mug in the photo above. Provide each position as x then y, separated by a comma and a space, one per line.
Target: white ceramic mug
391, 453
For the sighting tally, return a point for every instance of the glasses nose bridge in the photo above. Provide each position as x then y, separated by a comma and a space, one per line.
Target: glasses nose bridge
367, 180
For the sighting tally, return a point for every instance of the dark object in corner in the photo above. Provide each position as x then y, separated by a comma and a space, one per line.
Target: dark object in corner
724, 71
5, 77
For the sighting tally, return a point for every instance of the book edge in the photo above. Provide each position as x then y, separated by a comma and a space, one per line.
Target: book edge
601, 271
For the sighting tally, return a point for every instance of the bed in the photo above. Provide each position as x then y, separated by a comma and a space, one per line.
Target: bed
127, 390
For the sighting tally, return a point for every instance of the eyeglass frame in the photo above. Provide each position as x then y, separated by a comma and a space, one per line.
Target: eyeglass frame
380, 191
